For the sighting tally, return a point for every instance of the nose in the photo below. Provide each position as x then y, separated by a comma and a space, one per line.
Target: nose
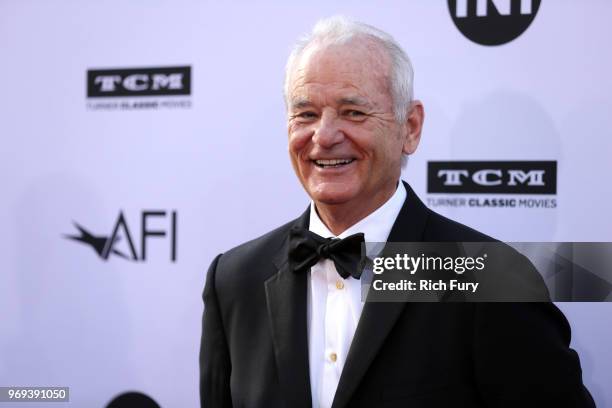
328, 133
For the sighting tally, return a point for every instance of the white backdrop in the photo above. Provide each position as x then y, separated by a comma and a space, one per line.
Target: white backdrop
105, 327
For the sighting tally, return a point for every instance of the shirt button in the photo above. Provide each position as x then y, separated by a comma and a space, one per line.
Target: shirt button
339, 284
333, 357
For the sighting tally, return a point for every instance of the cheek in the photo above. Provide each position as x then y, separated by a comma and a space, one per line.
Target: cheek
298, 141
381, 148
366, 144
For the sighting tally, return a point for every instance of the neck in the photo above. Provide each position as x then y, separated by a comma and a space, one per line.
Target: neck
340, 217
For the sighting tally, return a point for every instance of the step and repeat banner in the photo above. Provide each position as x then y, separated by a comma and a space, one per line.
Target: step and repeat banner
141, 139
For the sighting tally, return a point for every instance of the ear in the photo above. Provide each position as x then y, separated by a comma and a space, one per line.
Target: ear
414, 125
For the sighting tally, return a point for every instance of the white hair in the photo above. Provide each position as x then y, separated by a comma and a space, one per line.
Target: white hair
340, 30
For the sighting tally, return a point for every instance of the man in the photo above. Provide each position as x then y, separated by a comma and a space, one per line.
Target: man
279, 332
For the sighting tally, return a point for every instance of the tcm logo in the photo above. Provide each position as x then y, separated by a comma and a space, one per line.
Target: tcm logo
120, 242
503, 177
493, 22
139, 82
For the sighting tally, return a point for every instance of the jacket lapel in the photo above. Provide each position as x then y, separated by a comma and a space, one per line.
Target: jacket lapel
378, 318
286, 297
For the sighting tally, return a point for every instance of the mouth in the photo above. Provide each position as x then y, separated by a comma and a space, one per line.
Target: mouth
332, 163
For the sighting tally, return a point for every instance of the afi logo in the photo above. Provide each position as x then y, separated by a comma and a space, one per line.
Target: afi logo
493, 22
504, 177
139, 82
107, 245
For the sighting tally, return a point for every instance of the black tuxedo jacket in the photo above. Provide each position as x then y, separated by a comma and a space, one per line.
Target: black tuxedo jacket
254, 349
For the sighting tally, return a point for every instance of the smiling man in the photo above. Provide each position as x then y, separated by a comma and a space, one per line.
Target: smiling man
284, 323
346, 134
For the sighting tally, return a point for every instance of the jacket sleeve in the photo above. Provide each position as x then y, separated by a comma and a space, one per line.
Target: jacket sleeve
523, 358
215, 364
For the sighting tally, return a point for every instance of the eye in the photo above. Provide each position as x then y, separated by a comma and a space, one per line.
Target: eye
305, 116
354, 114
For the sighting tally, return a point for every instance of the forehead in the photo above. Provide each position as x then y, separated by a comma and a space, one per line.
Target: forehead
357, 68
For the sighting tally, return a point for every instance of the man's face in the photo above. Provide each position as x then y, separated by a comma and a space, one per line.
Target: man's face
344, 142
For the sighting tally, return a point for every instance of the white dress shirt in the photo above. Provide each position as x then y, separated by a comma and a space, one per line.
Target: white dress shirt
334, 304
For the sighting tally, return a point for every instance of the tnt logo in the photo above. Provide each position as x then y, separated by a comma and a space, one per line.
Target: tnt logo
493, 22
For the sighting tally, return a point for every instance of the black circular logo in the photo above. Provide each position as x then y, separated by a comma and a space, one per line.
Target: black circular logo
493, 22
132, 400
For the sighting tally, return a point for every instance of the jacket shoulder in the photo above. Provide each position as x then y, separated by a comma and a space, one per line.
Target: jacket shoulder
266, 244
247, 265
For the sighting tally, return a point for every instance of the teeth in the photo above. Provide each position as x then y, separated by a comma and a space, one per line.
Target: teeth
333, 162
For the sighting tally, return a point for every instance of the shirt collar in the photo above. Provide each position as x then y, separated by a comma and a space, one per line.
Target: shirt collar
376, 227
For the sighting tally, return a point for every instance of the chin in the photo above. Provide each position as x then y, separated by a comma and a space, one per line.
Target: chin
331, 196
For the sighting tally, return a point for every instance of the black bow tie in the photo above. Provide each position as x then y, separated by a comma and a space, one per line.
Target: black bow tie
306, 249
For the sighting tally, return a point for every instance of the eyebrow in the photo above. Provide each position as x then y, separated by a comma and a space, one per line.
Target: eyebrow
353, 100
301, 103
